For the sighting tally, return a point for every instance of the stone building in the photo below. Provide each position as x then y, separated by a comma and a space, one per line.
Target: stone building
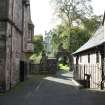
16, 30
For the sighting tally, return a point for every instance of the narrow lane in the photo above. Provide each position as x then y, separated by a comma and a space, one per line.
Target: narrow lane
57, 90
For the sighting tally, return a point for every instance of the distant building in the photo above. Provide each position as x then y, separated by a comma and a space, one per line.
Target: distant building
47, 42
89, 60
16, 30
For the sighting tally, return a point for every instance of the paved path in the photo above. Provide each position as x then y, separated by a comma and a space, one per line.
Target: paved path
57, 90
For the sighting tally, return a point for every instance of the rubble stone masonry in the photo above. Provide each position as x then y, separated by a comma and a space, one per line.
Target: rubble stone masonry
14, 35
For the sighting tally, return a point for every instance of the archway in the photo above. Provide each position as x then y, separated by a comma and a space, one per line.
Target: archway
63, 60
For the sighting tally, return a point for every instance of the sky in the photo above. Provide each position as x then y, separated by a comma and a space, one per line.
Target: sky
43, 17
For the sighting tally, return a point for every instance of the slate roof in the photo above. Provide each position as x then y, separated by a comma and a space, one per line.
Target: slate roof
96, 40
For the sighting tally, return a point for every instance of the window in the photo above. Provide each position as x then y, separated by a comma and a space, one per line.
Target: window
97, 57
88, 58
30, 32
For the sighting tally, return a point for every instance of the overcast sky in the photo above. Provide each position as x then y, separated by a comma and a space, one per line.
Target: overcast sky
43, 18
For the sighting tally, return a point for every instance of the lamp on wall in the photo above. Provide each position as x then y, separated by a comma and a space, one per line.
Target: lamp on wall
26, 3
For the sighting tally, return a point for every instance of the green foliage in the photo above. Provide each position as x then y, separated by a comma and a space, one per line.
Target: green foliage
38, 44
71, 41
55, 40
60, 35
70, 11
63, 67
36, 58
78, 37
93, 23
74, 37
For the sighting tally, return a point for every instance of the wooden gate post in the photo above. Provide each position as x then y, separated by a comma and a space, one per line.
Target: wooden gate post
103, 66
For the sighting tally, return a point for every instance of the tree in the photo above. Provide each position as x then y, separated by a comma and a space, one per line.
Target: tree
91, 24
56, 38
70, 10
38, 44
78, 38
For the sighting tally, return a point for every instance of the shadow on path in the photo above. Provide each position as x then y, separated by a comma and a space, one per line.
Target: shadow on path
51, 90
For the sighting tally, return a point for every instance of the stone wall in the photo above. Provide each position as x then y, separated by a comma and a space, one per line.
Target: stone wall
14, 27
2, 54
15, 13
35, 68
13, 43
50, 67
3, 9
13, 55
28, 28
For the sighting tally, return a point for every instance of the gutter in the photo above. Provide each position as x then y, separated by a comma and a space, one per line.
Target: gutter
78, 52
